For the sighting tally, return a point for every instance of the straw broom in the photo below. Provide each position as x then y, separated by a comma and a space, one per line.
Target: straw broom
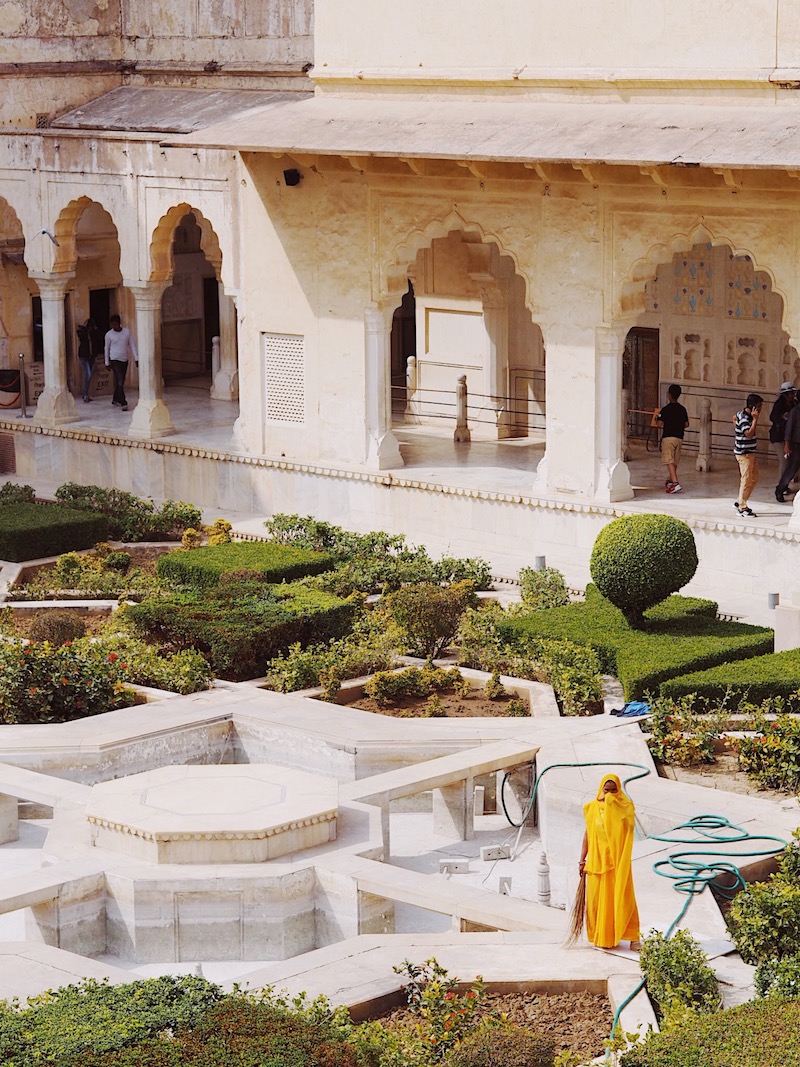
578, 912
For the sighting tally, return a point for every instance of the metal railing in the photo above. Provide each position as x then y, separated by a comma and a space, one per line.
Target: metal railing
465, 408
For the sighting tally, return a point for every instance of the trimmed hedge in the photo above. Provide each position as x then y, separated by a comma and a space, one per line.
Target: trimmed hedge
755, 680
762, 1033
681, 636
203, 567
638, 560
30, 531
241, 626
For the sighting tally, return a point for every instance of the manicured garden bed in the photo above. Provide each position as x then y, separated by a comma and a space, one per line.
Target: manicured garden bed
681, 636
760, 678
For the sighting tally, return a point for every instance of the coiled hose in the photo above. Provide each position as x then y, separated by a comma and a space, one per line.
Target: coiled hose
690, 870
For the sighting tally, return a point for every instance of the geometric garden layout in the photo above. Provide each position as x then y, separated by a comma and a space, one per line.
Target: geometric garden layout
278, 840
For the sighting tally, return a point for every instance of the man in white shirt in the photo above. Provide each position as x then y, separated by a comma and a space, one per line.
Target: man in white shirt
119, 346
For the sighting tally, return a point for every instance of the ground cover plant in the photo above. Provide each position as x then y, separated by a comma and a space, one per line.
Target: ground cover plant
103, 573
681, 636
376, 562
189, 1022
638, 560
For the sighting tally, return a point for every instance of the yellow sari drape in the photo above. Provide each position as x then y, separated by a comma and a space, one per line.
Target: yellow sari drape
611, 912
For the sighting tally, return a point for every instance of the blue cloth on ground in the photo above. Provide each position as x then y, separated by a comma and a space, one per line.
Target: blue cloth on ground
632, 710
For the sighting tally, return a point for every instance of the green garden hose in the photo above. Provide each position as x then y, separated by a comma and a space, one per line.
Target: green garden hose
690, 870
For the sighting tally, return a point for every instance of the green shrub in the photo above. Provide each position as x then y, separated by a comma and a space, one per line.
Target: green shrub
494, 688
57, 627
763, 1033
43, 683
62, 1026
101, 573
678, 976
30, 531
118, 561
771, 757
391, 687
184, 671
373, 645
240, 627
638, 560
129, 517
428, 615
542, 589
17, 494
779, 978
573, 671
756, 679
376, 562
764, 917
496, 1043
675, 641
678, 735
202, 568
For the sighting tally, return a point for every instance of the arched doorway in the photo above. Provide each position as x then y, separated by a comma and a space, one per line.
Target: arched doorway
465, 314
713, 325
189, 308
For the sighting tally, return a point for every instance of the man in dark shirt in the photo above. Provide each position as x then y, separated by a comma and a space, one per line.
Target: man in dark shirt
673, 419
791, 450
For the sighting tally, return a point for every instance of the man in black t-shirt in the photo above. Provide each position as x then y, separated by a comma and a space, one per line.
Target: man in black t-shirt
673, 419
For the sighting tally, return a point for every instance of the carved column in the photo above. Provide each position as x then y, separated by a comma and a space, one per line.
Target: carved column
382, 451
226, 380
612, 480
151, 416
496, 384
56, 404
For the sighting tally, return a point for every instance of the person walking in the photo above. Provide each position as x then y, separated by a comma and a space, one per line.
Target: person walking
784, 403
605, 868
86, 354
791, 451
745, 427
119, 347
673, 419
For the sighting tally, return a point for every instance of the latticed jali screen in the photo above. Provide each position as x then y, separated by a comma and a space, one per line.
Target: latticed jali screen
285, 377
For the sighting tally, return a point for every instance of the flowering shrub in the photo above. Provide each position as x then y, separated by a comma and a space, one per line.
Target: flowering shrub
138, 663
43, 683
679, 736
772, 756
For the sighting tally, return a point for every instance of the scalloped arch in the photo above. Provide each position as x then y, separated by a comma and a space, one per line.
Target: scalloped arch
10, 220
631, 303
161, 259
66, 232
396, 265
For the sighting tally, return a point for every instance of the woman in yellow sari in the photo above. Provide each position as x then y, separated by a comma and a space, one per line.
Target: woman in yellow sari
611, 912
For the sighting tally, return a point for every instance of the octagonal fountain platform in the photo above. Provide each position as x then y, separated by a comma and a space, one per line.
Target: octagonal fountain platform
214, 814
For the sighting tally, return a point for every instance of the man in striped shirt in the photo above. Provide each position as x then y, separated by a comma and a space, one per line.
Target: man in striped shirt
745, 427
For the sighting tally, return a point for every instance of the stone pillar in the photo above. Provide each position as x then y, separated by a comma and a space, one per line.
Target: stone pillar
382, 451
151, 416
612, 480
495, 319
56, 404
226, 380
453, 810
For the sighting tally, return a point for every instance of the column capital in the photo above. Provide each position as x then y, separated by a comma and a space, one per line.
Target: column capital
494, 295
146, 294
376, 319
52, 286
610, 340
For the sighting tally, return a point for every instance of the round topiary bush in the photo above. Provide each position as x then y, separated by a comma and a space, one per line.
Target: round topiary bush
502, 1045
639, 560
57, 627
